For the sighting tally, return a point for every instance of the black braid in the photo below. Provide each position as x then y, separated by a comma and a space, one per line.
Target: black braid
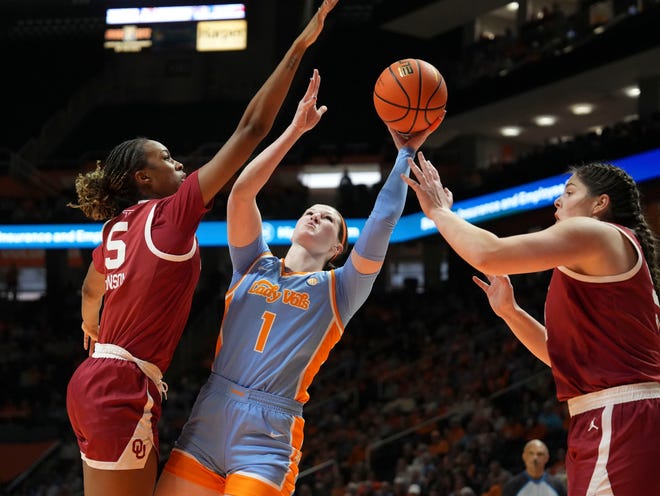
107, 190
124, 159
625, 206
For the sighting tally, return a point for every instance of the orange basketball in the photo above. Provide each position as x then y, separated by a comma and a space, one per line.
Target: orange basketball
410, 95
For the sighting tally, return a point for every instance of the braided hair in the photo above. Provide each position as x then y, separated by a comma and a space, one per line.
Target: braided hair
108, 189
625, 206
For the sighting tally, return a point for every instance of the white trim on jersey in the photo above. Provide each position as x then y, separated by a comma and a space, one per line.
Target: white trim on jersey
599, 485
108, 350
162, 254
613, 396
613, 278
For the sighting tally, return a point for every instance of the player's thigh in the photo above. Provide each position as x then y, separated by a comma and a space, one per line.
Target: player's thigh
266, 451
246, 485
170, 484
136, 482
635, 450
615, 448
184, 475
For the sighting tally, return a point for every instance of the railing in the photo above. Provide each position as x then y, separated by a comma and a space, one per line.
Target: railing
394, 437
351, 393
50, 454
316, 468
23, 164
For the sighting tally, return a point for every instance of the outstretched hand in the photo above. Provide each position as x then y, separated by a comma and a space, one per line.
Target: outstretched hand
499, 291
315, 25
307, 114
416, 140
432, 195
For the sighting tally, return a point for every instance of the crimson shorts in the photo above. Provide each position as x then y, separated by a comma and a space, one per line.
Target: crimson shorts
114, 410
614, 449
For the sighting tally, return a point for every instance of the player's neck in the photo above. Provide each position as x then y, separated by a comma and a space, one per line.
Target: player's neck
300, 260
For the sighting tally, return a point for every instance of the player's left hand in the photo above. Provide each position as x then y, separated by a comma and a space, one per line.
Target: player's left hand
432, 195
315, 26
90, 336
307, 114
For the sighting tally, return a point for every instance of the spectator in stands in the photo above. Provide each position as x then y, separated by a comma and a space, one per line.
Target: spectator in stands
414, 489
11, 282
534, 479
602, 319
144, 274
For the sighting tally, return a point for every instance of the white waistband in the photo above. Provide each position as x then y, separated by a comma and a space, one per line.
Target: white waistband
613, 396
107, 350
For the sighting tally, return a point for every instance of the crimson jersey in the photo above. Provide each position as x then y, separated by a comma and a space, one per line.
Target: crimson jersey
150, 258
603, 331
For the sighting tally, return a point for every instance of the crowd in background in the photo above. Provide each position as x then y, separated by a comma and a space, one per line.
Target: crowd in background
548, 32
536, 43
426, 389
355, 200
433, 374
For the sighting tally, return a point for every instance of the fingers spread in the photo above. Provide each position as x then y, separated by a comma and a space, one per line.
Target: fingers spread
482, 284
413, 167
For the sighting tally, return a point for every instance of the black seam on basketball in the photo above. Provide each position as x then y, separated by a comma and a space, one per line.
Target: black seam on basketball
398, 105
416, 109
396, 80
392, 103
389, 121
420, 82
435, 92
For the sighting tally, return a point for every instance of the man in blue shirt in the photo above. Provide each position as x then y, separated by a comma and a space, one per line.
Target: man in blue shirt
534, 480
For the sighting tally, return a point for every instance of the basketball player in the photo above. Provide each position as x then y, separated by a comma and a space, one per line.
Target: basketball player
601, 335
282, 317
144, 272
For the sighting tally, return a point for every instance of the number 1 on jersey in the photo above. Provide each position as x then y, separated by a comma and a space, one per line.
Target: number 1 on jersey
268, 318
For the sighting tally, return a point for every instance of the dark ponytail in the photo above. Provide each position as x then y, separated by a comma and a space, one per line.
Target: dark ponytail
108, 189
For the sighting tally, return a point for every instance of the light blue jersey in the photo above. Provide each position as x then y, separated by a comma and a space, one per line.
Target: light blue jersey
246, 427
279, 326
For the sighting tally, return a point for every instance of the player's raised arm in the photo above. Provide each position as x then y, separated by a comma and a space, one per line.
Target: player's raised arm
260, 113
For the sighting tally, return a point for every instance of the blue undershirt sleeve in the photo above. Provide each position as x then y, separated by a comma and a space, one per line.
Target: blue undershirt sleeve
375, 237
354, 287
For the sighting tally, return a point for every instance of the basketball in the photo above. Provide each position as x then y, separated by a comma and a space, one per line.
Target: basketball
410, 95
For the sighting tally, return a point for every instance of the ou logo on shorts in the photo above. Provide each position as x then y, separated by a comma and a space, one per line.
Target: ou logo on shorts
139, 448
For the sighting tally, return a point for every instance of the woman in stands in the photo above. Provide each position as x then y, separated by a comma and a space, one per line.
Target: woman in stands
601, 335
144, 273
282, 317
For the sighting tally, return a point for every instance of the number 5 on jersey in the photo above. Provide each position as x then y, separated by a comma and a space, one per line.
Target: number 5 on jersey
117, 246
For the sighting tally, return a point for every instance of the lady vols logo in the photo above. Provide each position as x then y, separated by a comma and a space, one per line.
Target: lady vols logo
271, 292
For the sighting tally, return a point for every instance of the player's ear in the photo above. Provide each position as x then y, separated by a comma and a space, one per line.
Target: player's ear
142, 177
601, 205
337, 250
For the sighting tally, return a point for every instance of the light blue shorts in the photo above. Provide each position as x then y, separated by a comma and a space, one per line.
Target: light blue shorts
236, 430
